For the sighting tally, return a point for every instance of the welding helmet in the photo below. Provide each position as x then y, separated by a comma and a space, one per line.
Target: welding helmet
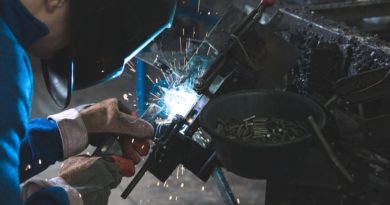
104, 35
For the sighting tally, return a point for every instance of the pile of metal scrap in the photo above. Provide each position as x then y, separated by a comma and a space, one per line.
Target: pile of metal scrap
344, 70
348, 72
262, 130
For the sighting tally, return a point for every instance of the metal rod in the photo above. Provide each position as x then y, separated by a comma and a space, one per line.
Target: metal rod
149, 162
211, 159
328, 149
224, 187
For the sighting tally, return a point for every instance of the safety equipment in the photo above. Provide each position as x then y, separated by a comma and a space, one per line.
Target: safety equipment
94, 177
112, 117
87, 180
103, 122
104, 35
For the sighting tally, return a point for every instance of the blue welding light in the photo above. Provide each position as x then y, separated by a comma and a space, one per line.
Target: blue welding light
178, 100
120, 70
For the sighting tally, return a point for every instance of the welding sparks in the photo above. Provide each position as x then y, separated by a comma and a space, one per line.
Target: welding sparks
193, 32
179, 100
182, 170
181, 49
174, 92
149, 78
126, 97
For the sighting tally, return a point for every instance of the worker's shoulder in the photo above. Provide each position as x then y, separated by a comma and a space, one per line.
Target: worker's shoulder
9, 46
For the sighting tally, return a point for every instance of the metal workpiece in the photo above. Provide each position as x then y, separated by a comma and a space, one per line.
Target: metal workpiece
250, 56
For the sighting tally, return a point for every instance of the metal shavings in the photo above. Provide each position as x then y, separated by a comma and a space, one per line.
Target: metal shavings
262, 130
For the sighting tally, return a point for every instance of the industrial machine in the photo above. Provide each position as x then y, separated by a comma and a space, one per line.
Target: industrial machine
329, 76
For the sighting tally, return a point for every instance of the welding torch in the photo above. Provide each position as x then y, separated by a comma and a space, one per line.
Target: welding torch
171, 148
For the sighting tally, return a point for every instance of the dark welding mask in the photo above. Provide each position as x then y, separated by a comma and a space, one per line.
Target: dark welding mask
104, 35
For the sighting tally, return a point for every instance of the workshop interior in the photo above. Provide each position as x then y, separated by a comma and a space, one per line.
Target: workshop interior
257, 102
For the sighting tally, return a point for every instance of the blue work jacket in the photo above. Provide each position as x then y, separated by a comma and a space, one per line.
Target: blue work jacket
26, 148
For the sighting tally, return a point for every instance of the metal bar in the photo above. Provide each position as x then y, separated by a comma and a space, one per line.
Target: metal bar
137, 178
352, 9
141, 87
328, 149
224, 187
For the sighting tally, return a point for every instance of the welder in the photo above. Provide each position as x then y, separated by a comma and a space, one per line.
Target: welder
81, 43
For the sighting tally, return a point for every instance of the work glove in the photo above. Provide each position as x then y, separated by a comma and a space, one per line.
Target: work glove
94, 177
92, 124
112, 117
87, 179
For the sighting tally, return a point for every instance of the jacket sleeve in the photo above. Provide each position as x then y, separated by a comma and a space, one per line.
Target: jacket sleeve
49, 196
16, 92
40, 148
55, 191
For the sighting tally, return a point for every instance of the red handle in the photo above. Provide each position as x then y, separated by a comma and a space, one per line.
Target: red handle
268, 2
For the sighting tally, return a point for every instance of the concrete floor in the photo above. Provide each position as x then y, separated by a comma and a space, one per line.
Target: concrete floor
182, 188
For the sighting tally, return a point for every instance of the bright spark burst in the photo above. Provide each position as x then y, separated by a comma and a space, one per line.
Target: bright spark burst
175, 93
179, 100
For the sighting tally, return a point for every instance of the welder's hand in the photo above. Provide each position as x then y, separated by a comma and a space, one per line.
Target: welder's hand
92, 124
111, 117
94, 177
87, 180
